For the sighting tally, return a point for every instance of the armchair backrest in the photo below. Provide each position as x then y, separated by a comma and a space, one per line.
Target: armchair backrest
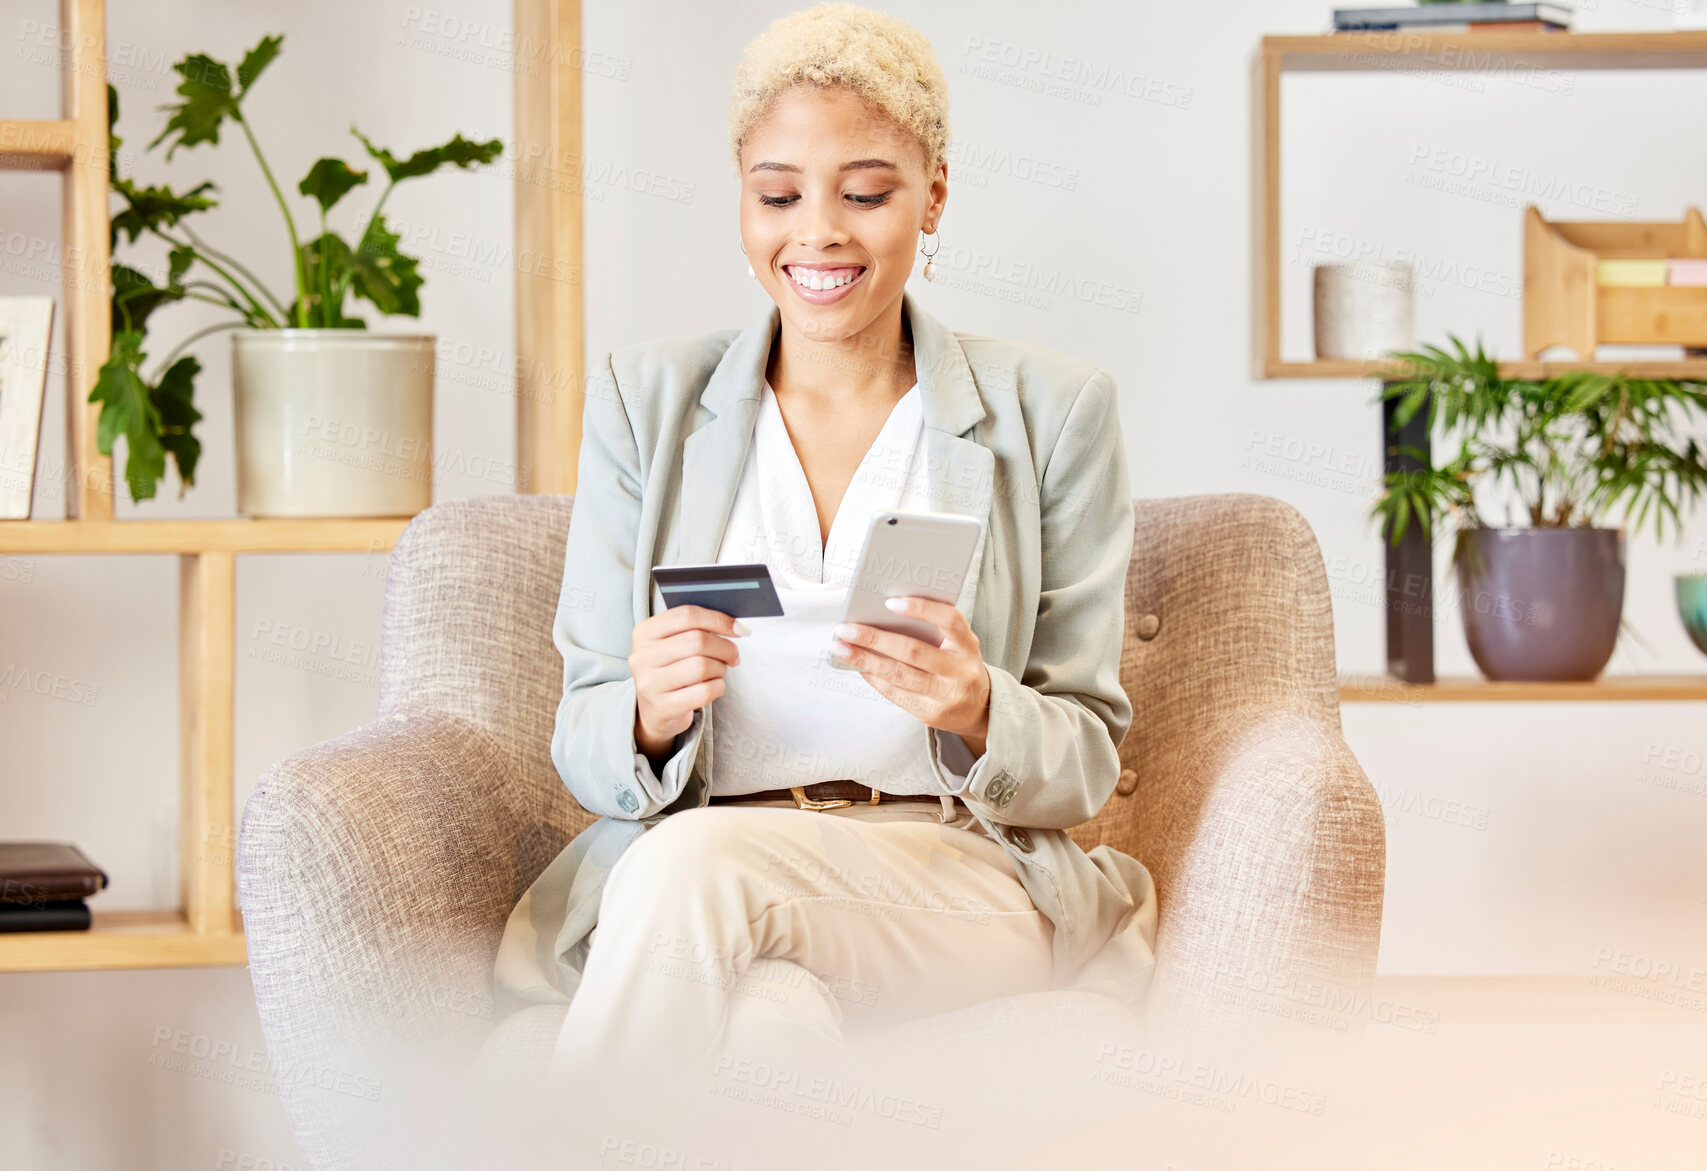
469, 603
1228, 613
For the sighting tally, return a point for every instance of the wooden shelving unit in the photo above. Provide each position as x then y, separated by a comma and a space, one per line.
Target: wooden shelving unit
76, 146
1413, 51
1606, 689
1409, 51
125, 939
201, 536
206, 929
1695, 368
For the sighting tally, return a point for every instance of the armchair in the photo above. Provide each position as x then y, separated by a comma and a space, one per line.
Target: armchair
376, 871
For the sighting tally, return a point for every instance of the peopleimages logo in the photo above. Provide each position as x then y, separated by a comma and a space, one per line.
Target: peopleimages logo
1072, 78
1515, 186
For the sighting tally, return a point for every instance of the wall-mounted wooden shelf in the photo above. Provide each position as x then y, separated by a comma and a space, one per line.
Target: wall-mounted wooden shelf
1695, 369
1606, 689
124, 939
202, 536
1486, 50
1407, 52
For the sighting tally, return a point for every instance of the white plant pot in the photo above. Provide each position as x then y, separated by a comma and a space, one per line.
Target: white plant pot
333, 422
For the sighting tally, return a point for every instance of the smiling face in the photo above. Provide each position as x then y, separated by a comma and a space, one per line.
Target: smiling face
833, 198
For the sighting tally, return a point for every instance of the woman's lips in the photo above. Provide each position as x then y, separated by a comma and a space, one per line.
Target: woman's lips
851, 275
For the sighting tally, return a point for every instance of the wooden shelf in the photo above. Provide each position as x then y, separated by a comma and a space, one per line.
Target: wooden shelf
1407, 51
123, 939
1486, 51
359, 535
1695, 369
1606, 689
37, 146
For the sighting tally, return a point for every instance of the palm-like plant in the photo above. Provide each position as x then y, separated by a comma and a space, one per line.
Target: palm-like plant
1573, 450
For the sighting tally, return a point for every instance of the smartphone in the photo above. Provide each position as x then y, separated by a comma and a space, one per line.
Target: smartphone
909, 554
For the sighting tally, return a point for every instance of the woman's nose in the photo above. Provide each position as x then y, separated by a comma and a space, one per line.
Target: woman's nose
822, 226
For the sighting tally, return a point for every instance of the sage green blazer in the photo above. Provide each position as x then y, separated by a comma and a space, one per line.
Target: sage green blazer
1025, 439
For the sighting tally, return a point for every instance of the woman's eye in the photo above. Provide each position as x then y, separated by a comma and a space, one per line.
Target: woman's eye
777, 200
869, 200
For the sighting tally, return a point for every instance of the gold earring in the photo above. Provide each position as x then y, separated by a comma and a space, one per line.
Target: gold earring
930, 269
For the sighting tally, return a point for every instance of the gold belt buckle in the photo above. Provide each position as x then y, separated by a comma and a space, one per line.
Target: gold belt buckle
802, 801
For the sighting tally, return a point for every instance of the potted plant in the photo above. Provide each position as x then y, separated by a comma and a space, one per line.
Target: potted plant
1541, 579
331, 420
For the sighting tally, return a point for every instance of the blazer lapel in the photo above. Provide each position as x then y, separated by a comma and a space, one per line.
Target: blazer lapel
961, 469
715, 451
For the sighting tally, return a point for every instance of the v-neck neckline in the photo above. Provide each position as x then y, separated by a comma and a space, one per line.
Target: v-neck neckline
801, 506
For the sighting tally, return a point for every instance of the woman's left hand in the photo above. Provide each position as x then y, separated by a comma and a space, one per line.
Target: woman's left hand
946, 687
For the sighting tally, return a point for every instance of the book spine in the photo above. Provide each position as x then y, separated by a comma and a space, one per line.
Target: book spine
1348, 18
30, 891
67, 916
1517, 26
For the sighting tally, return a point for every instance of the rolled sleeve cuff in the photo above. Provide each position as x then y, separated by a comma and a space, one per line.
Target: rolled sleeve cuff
661, 790
952, 762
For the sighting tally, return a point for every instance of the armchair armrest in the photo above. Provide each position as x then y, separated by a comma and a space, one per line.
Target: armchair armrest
376, 872
1237, 790
1272, 905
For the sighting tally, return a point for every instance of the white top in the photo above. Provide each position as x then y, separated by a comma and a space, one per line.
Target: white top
787, 716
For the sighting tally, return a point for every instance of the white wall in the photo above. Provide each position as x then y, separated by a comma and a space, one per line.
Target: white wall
1575, 844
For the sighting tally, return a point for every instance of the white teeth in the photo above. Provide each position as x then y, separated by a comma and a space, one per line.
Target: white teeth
808, 278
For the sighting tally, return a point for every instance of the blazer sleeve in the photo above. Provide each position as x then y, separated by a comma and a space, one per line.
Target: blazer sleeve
593, 744
1051, 756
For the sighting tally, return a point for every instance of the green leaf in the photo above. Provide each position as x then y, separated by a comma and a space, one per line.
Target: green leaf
208, 101
326, 261
176, 412
155, 207
458, 152
329, 180
154, 420
127, 409
383, 276
113, 139
178, 262
135, 297
256, 60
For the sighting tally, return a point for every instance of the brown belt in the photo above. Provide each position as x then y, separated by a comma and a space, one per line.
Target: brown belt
827, 795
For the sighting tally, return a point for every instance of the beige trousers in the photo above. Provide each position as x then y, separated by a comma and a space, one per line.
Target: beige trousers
759, 927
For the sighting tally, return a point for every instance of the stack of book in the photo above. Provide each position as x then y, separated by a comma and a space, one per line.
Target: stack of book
43, 885
1455, 17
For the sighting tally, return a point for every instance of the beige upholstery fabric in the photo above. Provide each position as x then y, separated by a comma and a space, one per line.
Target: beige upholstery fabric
376, 870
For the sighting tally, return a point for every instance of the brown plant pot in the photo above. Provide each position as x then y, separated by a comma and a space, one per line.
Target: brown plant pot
1541, 604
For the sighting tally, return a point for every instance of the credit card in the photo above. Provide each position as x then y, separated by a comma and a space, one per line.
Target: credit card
740, 591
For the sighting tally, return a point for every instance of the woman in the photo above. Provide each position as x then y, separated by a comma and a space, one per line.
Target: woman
709, 903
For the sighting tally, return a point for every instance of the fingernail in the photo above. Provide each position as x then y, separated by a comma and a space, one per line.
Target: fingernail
741, 627
844, 631
895, 603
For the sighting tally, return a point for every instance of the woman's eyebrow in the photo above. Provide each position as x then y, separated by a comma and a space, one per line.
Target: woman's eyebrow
856, 165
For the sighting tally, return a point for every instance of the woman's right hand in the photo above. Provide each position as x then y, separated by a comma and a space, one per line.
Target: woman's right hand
679, 658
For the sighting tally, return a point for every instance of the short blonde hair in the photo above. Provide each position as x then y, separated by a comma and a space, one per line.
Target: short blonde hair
883, 59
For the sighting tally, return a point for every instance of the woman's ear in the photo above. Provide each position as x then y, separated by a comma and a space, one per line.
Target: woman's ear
939, 197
